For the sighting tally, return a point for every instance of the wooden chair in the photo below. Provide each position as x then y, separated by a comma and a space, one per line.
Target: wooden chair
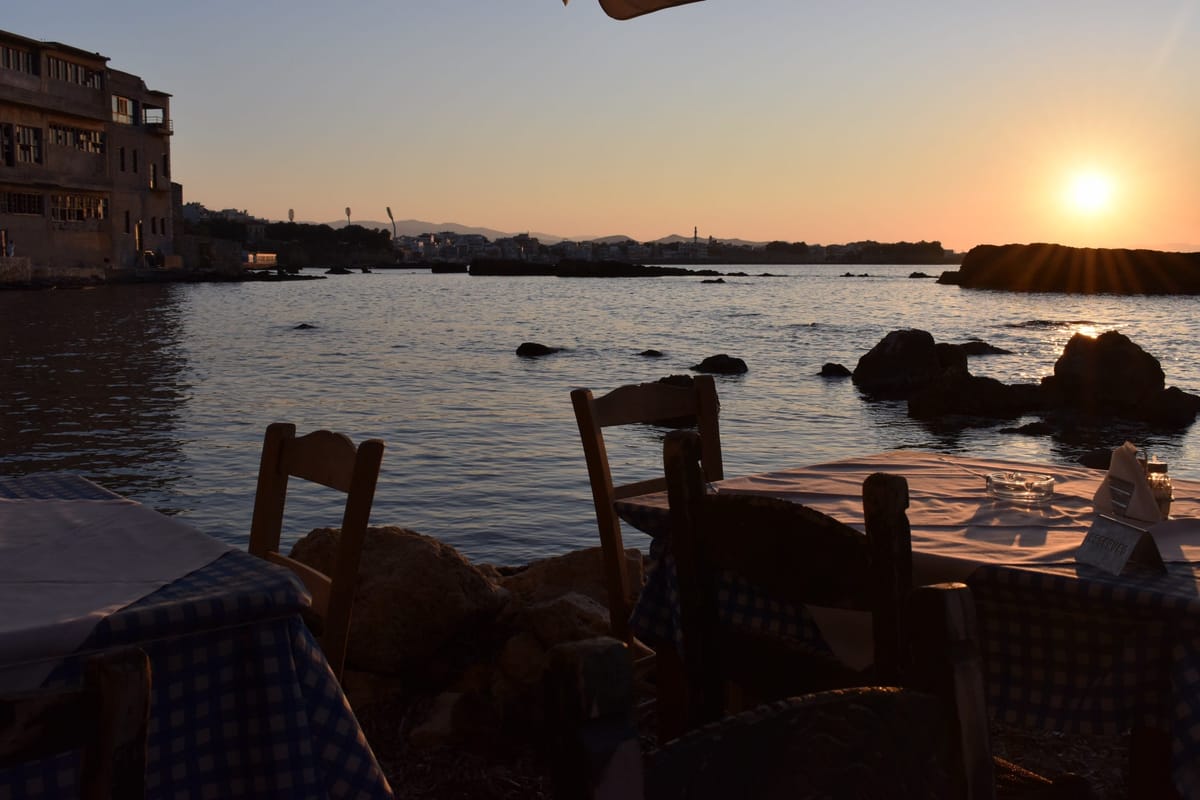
885, 742
106, 719
663, 403
332, 460
797, 555
792, 554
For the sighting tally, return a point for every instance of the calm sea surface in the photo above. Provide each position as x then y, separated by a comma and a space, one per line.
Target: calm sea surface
162, 393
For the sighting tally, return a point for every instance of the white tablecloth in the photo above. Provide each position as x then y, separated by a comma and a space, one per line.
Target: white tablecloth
66, 564
956, 526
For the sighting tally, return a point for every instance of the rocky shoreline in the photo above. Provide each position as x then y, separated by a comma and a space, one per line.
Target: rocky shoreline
446, 663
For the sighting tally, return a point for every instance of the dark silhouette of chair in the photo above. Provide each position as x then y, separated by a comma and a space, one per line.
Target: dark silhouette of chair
791, 554
332, 460
663, 403
869, 742
794, 554
106, 720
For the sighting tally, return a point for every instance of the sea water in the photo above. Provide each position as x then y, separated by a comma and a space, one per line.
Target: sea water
162, 392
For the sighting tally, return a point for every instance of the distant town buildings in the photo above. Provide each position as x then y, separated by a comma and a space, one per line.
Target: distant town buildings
299, 245
85, 162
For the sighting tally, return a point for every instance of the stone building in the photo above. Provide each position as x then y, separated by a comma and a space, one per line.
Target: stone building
85, 163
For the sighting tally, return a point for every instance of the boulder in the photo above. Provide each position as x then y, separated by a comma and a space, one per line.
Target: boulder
535, 350
832, 370
902, 362
1173, 408
416, 598
566, 618
958, 392
580, 571
976, 347
950, 357
1105, 375
651, 353
722, 364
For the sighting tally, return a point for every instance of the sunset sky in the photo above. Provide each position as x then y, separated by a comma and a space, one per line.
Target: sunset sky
969, 123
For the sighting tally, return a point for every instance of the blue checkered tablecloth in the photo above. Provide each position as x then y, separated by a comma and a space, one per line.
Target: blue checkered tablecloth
243, 703
1066, 646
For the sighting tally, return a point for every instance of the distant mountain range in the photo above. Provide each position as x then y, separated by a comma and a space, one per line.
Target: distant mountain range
416, 227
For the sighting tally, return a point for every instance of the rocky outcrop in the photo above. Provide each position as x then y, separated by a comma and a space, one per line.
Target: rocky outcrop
473, 638
1055, 268
535, 350
902, 362
831, 369
1112, 376
416, 597
722, 364
580, 571
957, 391
975, 347
1105, 377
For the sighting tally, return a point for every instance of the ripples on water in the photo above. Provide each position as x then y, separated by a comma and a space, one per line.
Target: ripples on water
163, 392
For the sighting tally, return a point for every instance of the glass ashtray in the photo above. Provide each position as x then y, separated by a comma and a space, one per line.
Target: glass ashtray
1021, 487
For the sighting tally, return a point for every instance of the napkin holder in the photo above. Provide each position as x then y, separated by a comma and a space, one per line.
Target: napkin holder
1125, 491
1114, 545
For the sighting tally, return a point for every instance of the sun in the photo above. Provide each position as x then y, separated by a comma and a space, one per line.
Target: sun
1090, 192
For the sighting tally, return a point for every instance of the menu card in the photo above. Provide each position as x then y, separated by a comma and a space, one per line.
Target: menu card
1114, 545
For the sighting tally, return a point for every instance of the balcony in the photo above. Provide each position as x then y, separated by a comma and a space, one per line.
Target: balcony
163, 126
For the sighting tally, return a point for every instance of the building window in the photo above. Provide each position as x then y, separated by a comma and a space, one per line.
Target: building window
62, 70
124, 110
77, 207
153, 175
127, 222
29, 144
82, 139
166, 167
18, 60
133, 154
21, 203
122, 152
6, 145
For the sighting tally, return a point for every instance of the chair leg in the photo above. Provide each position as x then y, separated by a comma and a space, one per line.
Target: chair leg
670, 687
1150, 765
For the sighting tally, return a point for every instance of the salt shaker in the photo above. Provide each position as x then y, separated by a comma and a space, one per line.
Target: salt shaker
1160, 485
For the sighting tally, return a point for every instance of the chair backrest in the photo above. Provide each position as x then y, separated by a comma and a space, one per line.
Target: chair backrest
106, 719
916, 741
332, 460
790, 554
663, 403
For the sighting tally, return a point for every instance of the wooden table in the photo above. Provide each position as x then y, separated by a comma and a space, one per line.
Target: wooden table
1066, 646
243, 703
